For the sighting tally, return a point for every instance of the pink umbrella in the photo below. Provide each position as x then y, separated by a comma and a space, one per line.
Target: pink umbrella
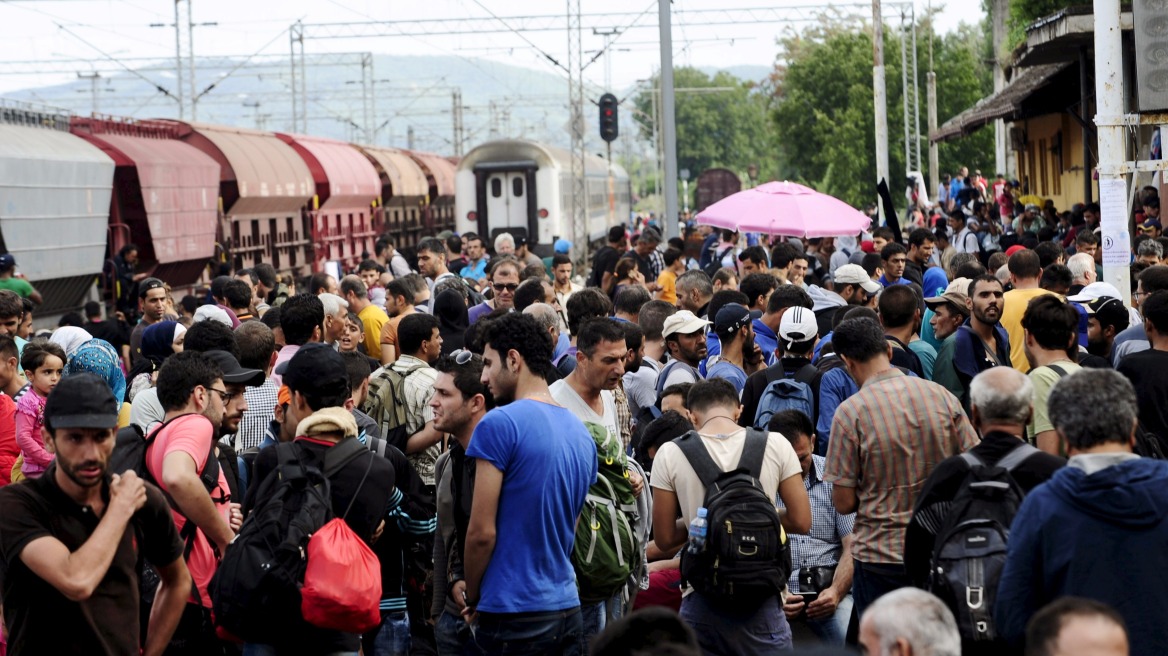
785, 208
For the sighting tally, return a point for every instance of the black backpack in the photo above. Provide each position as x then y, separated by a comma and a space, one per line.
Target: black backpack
747, 559
257, 586
716, 261
970, 551
130, 455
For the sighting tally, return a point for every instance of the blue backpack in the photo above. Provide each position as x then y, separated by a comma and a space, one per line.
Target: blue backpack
794, 393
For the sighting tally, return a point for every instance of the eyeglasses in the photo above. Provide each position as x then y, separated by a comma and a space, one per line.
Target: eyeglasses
224, 394
461, 356
509, 286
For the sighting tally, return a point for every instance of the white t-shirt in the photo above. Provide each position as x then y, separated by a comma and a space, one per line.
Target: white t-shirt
563, 393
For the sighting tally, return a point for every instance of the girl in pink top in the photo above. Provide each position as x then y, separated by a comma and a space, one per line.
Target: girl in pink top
42, 362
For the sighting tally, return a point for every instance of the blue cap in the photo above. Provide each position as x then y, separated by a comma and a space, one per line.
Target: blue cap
563, 246
7, 262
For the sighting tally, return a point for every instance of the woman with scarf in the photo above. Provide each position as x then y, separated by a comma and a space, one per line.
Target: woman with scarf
450, 309
99, 357
159, 342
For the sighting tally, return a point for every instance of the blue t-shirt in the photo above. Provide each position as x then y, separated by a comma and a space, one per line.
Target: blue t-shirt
766, 339
475, 271
713, 347
728, 371
548, 460
899, 281
934, 281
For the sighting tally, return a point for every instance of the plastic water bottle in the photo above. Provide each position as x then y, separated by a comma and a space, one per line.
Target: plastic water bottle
697, 533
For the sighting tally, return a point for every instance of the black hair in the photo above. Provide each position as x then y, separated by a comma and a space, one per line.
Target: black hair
300, 316
237, 293
1056, 278
180, 374
1153, 279
652, 318
786, 296
467, 377
884, 232
10, 304
630, 299
708, 393
891, 250
595, 331
1052, 322
723, 275
271, 318
266, 273
127, 249
331, 396
783, 254
400, 287
414, 329
669, 426
533, 271
897, 305
504, 261
217, 286
681, 389
353, 285
209, 335
251, 275
1044, 627
985, 277
721, 299
918, 237
859, 339
757, 284
755, 254
92, 309
8, 347
529, 292
793, 424
192, 303
36, 351
1025, 264
1154, 309
357, 368
671, 255
870, 262
318, 283
454, 243
970, 270
521, 333
1086, 237
616, 234
560, 258
432, 245
71, 319
588, 303
1048, 253
634, 338
256, 344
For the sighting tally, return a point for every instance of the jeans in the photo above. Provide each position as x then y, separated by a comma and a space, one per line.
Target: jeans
834, 629
254, 649
453, 636
727, 633
597, 616
872, 581
555, 632
393, 637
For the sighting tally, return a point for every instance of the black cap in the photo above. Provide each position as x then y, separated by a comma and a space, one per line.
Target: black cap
148, 284
233, 373
315, 367
81, 400
732, 317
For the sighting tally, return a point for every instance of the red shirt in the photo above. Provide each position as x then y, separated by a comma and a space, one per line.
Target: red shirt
9, 450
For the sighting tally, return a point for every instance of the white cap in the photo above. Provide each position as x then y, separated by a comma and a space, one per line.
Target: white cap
1095, 290
683, 322
798, 325
212, 313
854, 274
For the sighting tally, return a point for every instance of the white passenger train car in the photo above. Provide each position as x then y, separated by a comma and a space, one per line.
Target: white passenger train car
524, 188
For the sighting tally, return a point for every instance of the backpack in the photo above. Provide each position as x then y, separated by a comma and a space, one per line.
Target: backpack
716, 261
795, 393
747, 558
970, 550
386, 404
668, 369
605, 548
130, 455
256, 589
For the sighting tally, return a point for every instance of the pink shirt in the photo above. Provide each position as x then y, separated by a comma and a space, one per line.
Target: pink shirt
30, 417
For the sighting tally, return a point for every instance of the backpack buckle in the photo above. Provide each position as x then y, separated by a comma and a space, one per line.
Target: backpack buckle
975, 597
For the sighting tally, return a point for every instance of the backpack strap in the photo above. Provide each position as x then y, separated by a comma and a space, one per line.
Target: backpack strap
357, 492
1062, 373
972, 460
753, 451
699, 458
806, 374
341, 454
1015, 457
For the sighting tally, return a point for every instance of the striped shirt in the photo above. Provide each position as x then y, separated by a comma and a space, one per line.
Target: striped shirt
823, 545
261, 411
885, 441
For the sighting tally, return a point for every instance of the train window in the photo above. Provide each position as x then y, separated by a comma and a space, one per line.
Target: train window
496, 187
517, 187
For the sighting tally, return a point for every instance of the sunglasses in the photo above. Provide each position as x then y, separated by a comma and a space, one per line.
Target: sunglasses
461, 357
509, 286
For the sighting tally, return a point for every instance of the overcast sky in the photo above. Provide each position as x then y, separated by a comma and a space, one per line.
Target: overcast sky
121, 29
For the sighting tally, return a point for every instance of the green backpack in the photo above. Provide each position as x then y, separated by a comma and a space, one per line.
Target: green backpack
605, 549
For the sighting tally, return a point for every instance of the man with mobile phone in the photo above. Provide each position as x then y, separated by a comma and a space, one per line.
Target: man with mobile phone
819, 592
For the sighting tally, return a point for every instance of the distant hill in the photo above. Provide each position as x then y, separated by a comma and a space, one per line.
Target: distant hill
748, 72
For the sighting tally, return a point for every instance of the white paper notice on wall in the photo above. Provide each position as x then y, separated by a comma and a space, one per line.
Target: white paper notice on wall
1116, 240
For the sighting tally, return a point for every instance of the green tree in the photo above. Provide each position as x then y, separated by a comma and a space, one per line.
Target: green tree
721, 122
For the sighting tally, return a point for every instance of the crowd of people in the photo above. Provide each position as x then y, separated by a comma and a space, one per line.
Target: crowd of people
910, 442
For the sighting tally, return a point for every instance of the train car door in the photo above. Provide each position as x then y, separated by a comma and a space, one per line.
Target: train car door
507, 200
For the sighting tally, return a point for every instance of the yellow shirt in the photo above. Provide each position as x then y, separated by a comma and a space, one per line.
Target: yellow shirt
1013, 307
374, 319
668, 283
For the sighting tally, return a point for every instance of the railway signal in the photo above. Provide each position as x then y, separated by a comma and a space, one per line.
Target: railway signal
609, 129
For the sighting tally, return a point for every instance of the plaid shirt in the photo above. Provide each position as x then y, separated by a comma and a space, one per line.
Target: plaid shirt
824, 543
418, 388
624, 416
885, 441
261, 411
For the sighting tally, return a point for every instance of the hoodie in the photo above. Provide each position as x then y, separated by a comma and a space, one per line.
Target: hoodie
1099, 536
825, 303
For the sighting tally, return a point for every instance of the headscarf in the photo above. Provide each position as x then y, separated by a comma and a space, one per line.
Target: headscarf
157, 345
69, 338
451, 312
100, 357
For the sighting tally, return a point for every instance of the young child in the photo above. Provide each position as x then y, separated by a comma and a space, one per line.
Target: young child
42, 362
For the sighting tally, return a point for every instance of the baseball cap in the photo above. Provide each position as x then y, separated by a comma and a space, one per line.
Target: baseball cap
7, 261
1095, 290
955, 295
1104, 304
854, 274
148, 284
1152, 201
81, 400
520, 241
233, 372
563, 246
867, 246
683, 322
733, 317
445, 234
315, 367
797, 325
1014, 249
1150, 223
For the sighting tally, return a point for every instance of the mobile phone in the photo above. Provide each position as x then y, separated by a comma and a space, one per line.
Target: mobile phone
809, 597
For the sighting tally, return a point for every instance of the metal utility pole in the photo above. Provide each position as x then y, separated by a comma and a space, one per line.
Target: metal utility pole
668, 119
999, 13
931, 101
367, 97
456, 111
1109, 119
576, 127
299, 111
410, 138
608, 35
184, 57
180, 92
880, 99
93, 88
